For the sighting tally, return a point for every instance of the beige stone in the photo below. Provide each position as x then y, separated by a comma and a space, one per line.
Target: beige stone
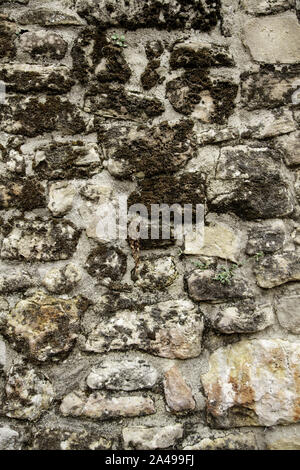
266, 6
97, 406
175, 333
288, 313
274, 39
254, 383
278, 269
43, 326
149, 438
177, 393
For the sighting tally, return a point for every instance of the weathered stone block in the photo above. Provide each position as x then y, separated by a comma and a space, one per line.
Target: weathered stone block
7, 38
244, 316
9, 439
266, 238
128, 375
23, 78
252, 183
278, 269
34, 116
200, 55
62, 438
253, 383
45, 46
25, 194
47, 17
268, 89
167, 14
97, 406
290, 145
170, 329
28, 393
274, 39
39, 240
61, 281
288, 312
262, 7
43, 327
61, 196
204, 287
178, 394
132, 151
149, 438
107, 263
60, 160
156, 274
221, 440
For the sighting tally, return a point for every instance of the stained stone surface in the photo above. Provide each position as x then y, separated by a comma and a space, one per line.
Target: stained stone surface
115, 341
170, 329
37, 239
97, 406
129, 375
43, 326
149, 438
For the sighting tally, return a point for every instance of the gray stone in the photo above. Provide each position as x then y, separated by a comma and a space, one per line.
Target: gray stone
262, 7
106, 263
28, 393
253, 383
98, 406
200, 54
288, 312
9, 439
273, 39
268, 89
221, 440
262, 124
131, 14
157, 274
290, 145
36, 79
128, 375
7, 38
171, 329
203, 286
239, 317
40, 240
17, 282
47, 17
274, 270
150, 438
73, 438
60, 160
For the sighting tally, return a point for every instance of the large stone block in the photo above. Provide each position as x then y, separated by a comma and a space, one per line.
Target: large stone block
254, 383
43, 327
39, 240
171, 329
274, 39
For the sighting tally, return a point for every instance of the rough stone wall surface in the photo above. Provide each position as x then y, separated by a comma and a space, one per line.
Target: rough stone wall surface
121, 345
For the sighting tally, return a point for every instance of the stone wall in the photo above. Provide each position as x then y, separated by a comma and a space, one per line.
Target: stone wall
128, 345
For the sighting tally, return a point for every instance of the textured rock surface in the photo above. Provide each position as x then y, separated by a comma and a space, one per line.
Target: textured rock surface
104, 339
43, 326
177, 393
97, 406
29, 393
37, 239
130, 375
143, 438
254, 383
273, 39
169, 329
